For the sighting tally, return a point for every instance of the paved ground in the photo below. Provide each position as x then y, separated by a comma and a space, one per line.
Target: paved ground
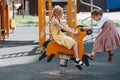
19, 61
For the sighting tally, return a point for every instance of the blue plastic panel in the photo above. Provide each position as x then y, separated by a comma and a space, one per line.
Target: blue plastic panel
112, 4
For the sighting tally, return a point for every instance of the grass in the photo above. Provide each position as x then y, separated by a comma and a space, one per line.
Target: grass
88, 22
26, 20
117, 23
33, 21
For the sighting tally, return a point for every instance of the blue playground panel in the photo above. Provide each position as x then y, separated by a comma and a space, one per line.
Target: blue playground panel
112, 4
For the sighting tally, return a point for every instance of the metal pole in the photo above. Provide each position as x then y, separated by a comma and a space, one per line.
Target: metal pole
26, 7
89, 4
91, 1
13, 8
23, 4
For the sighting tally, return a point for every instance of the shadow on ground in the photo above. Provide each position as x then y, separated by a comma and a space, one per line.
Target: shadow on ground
5, 44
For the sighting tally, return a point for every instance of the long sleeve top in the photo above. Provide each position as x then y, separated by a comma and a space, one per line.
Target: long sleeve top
97, 28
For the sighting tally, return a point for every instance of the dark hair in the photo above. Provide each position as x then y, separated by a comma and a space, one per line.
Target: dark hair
97, 12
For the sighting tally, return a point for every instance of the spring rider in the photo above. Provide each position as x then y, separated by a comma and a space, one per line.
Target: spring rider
53, 49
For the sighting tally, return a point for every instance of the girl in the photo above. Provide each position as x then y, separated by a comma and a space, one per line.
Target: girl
108, 39
61, 38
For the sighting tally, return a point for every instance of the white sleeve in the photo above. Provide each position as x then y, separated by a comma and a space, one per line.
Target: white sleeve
96, 30
100, 24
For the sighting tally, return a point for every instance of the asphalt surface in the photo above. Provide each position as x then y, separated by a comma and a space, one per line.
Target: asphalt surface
25, 65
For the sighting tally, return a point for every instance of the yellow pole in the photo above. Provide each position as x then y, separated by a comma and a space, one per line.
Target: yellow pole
0, 19
7, 20
44, 20
75, 13
2, 13
69, 9
50, 14
41, 21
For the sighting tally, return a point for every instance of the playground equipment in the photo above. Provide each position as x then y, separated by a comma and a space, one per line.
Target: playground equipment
71, 16
5, 20
111, 4
52, 48
92, 6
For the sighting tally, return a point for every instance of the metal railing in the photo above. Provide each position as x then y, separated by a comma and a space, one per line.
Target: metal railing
92, 6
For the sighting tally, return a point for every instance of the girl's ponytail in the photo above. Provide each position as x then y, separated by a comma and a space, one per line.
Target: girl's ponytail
42, 32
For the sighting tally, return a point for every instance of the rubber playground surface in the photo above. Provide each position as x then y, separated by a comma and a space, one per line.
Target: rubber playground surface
19, 61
